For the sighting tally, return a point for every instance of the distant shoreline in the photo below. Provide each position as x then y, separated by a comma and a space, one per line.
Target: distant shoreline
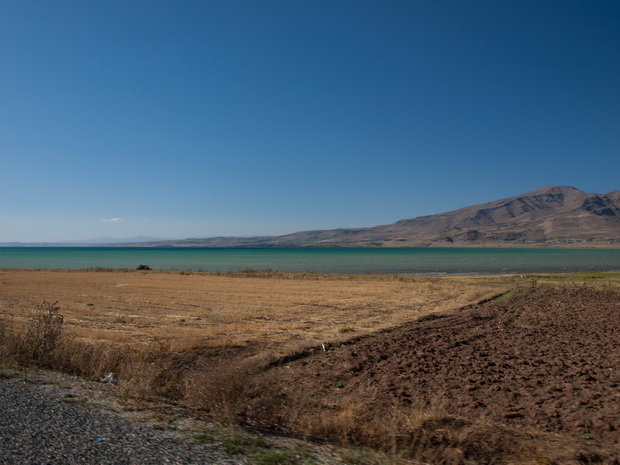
580, 245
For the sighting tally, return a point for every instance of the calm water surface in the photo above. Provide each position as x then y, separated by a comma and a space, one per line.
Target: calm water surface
320, 260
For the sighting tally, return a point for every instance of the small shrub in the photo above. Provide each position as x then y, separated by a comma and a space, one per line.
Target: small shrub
220, 388
42, 334
143, 268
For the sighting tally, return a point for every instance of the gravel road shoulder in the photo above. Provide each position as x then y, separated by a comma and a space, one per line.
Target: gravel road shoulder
45, 424
50, 418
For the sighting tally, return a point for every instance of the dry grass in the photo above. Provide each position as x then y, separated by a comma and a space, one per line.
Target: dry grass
278, 312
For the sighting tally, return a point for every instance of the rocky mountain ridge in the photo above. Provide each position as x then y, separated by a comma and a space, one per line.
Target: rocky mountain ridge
552, 215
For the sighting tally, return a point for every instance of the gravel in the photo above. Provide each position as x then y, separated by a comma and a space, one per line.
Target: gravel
42, 424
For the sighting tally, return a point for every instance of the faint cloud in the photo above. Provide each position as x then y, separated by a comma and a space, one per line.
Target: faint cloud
113, 220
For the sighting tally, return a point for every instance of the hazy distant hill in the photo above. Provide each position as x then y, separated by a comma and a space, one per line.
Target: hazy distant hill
101, 241
550, 215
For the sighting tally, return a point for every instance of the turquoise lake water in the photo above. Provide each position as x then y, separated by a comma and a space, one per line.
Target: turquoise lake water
320, 260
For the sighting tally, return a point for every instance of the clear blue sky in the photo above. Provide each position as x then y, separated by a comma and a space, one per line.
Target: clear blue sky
200, 118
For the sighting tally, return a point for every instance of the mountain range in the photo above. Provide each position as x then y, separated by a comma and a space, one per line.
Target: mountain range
552, 215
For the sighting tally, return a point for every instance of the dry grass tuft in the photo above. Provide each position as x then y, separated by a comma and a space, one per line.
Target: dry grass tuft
219, 389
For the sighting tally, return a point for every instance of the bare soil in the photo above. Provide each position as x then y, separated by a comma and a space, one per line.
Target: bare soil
537, 367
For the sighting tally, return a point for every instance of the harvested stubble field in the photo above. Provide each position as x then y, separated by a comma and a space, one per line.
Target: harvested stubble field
417, 367
186, 310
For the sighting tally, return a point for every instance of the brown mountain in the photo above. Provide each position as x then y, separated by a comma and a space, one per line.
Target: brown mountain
550, 215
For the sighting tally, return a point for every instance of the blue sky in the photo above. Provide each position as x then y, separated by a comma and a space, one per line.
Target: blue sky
185, 118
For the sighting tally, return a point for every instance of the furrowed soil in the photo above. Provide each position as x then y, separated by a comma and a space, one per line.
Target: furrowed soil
532, 377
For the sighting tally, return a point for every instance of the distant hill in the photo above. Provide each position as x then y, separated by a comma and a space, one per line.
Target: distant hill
552, 215
111, 241
101, 241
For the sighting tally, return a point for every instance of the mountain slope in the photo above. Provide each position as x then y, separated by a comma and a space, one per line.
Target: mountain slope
550, 215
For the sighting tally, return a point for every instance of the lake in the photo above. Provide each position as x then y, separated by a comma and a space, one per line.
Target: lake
319, 260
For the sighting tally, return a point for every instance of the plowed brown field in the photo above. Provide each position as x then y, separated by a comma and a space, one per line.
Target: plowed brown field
534, 375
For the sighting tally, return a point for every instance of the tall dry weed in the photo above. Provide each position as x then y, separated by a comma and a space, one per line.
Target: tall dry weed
35, 343
44, 331
222, 387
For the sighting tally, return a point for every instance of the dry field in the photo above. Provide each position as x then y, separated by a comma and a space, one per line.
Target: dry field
452, 370
186, 310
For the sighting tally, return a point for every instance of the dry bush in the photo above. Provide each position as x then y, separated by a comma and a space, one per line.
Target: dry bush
43, 333
220, 388
34, 343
